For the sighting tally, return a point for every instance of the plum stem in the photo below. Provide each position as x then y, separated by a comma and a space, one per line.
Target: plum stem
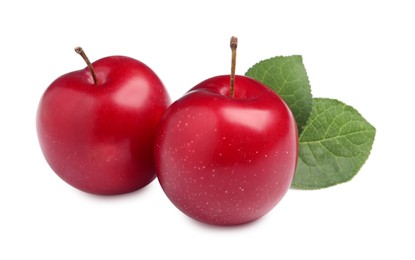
234, 45
81, 52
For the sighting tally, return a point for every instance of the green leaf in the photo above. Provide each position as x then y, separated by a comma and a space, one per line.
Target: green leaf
287, 76
333, 146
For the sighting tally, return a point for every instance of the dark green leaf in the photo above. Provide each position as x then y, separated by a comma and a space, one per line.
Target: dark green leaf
287, 76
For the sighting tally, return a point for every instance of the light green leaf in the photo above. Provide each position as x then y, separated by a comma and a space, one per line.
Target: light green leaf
334, 145
287, 76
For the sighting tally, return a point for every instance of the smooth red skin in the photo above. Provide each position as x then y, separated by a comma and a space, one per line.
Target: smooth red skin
226, 161
99, 138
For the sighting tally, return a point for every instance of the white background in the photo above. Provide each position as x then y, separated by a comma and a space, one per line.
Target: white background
361, 52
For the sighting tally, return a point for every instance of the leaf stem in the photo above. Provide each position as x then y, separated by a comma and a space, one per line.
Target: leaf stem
81, 52
234, 45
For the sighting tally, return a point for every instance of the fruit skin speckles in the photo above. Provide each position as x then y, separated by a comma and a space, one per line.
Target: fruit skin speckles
229, 164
